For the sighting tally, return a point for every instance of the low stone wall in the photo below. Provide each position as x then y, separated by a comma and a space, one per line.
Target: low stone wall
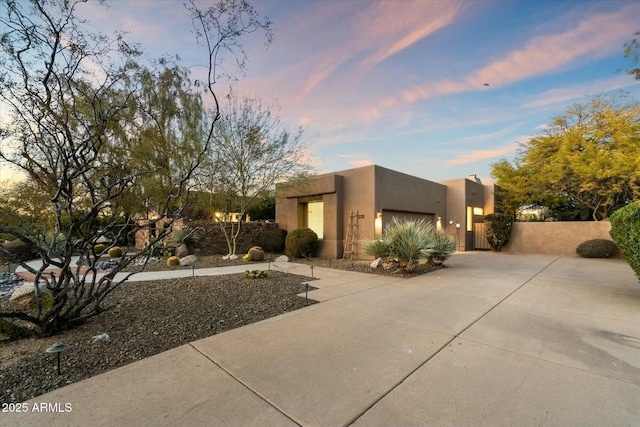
211, 240
555, 238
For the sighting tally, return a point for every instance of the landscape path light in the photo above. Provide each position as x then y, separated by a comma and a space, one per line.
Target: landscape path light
58, 348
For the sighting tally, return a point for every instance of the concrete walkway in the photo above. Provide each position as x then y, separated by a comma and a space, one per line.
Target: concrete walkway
494, 340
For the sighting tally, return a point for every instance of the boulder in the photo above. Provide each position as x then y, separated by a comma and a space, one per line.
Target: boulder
23, 297
182, 251
282, 258
376, 263
392, 266
188, 260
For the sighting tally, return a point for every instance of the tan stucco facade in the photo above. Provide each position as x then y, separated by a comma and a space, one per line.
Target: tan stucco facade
378, 194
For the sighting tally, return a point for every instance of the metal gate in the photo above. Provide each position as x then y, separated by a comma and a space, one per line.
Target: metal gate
480, 236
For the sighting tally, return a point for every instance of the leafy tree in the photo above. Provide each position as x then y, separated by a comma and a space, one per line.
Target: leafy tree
169, 131
72, 104
251, 150
631, 50
264, 208
590, 156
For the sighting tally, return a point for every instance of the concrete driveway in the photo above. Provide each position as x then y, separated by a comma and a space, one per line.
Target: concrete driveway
495, 339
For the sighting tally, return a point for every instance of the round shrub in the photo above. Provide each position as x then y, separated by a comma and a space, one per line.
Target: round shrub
115, 252
301, 242
498, 230
625, 230
597, 248
273, 240
99, 249
173, 261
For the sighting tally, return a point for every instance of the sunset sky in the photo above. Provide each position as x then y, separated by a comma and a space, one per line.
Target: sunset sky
401, 83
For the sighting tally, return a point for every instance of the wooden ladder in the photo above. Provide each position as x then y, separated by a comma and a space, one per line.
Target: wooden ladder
352, 235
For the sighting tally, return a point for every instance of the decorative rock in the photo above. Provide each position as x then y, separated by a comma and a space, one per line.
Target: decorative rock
188, 260
392, 266
8, 282
282, 258
182, 251
23, 298
376, 263
102, 337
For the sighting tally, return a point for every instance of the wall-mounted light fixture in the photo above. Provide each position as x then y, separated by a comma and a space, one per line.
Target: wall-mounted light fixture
378, 226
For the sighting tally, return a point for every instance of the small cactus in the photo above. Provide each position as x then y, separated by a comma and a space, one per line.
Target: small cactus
256, 254
99, 249
255, 274
173, 261
115, 252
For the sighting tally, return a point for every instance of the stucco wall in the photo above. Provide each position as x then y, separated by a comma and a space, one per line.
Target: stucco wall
555, 238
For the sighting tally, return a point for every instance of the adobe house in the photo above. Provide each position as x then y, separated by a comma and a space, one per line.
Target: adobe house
357, 204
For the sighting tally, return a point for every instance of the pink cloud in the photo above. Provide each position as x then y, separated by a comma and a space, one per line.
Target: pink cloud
477, 155
597, 36
357, 159
395, 29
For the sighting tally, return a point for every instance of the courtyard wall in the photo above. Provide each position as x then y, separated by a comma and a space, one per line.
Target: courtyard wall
555, 238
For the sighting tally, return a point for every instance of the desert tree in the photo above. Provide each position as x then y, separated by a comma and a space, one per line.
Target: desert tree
590, 156
74, 99
251, 151
632, 51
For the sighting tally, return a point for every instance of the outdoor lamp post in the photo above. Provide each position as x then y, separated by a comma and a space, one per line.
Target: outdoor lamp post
58, 348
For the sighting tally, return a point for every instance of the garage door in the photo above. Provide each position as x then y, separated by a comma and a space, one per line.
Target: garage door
387, 217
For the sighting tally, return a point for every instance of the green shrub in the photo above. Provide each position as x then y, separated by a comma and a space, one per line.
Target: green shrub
378, 248
11, 331
272, 240
597, 248
173, 261
301, 242
498, 230
99, 249
409, 241
54, 241
115, 252
625, 230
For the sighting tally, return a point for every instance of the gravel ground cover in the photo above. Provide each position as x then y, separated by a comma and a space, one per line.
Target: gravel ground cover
147, 318
150, 317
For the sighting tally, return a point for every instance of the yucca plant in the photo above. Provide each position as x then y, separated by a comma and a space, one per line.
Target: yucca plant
377, 248
180, 235
443, 246
409, 241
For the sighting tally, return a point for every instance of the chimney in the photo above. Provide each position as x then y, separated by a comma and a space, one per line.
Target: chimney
473, 177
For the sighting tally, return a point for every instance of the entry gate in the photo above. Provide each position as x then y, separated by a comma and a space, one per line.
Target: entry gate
480, 236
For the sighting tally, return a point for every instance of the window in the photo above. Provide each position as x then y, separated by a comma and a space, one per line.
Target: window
315, 217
